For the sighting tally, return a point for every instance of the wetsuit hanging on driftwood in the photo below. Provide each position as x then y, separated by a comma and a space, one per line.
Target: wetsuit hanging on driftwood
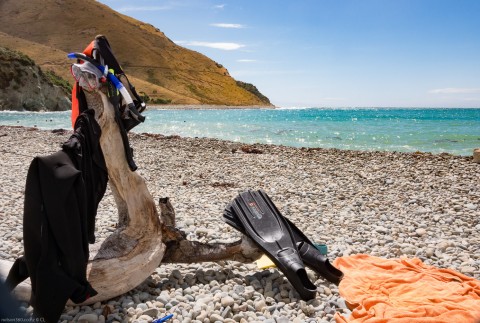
61, 199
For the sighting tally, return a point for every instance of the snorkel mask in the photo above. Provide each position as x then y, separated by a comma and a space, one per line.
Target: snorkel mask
87, 75
92, 75
97, 68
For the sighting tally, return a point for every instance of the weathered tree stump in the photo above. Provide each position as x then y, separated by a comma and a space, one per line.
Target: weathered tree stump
143, 238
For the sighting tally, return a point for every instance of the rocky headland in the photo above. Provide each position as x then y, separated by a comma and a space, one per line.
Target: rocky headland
24, 86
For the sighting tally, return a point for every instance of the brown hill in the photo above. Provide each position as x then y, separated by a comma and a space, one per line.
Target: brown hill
56, 61
47, 29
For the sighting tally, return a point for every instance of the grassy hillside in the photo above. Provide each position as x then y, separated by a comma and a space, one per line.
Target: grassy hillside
47, 29
24, 86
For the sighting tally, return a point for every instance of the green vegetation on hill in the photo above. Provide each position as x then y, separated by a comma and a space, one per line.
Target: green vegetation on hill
57, 80
12, 68
24, 86
147, 99
253, 89
10, 55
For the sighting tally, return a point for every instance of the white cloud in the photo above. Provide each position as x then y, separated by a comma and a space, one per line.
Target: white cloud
219, 6
222, 46
223, 25
143, 8
257, 72
246, 60
453, 90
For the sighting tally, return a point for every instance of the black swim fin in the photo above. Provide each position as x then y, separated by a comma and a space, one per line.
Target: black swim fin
261, 222
310, 255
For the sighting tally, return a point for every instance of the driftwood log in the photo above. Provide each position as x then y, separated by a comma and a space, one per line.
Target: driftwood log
144, 237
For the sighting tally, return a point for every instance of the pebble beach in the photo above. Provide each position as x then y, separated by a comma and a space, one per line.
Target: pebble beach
385, 204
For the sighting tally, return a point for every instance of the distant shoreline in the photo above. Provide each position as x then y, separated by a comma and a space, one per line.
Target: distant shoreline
204, 107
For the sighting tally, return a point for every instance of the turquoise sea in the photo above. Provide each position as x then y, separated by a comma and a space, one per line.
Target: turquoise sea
436, 130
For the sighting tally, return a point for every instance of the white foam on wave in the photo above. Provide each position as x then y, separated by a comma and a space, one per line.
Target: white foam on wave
294, 108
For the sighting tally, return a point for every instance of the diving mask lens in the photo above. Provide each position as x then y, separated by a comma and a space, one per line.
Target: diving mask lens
85, 76
92, 80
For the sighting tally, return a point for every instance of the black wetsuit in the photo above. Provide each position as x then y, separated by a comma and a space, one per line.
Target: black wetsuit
61, 199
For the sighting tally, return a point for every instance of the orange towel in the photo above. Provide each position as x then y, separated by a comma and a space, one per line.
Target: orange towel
405, 290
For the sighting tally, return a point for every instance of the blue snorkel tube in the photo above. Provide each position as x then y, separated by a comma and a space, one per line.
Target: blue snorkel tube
115, 81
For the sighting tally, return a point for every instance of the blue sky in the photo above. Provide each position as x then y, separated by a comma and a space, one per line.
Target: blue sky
327, 53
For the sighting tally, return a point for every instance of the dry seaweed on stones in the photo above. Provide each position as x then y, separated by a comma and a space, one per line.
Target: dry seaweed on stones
223, 185
250, 149
172, 137
59, 131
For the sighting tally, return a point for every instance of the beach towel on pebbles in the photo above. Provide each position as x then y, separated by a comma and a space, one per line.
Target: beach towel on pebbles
406, 290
